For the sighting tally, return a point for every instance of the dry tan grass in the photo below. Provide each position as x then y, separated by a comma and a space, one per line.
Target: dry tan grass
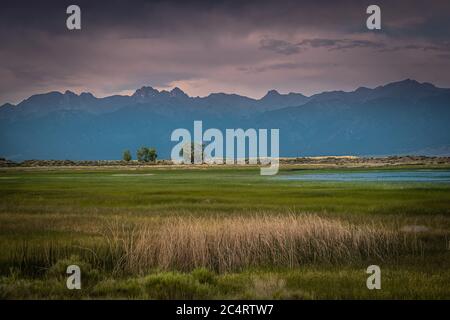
226, 244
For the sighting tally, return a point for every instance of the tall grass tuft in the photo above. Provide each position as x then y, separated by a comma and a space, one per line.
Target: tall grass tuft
233, 243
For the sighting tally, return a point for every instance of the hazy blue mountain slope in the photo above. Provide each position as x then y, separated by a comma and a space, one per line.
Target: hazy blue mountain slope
398, 118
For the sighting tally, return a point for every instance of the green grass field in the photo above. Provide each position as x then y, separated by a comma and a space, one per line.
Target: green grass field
219, 232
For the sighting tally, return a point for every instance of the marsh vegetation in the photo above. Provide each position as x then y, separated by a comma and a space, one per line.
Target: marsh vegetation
165, 233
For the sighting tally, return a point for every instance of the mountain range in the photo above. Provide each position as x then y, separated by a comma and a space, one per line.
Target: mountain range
404, 117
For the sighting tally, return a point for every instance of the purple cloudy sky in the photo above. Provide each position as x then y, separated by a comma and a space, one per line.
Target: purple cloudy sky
244, 47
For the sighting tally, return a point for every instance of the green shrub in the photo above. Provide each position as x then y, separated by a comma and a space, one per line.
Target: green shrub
110, 288
88, 274
204, 276
174, 285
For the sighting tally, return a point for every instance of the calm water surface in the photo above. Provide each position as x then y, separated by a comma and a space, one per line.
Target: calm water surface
383, 176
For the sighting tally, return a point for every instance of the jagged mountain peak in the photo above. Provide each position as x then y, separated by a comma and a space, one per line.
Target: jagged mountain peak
7, 105
87, 95
408, 84
145, 92
272, 93
177, 92
70, 93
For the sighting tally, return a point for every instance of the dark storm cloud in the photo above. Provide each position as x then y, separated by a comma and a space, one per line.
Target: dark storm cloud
317, 43
340, 44
287, 48
141, 18
436, 46
287, 65
162, 17
205, 46
155, 18
279, 46
444, 56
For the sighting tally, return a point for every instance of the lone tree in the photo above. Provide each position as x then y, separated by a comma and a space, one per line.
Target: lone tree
152, 154
192, 148
145, 154
126, 155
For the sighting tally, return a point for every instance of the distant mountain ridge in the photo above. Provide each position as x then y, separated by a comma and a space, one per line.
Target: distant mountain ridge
86, 101
397, 118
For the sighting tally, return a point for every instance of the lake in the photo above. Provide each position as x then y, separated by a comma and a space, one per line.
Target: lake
381, 176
